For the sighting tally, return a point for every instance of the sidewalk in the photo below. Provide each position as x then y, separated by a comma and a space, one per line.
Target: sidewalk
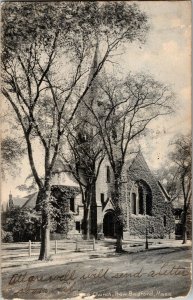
68, 256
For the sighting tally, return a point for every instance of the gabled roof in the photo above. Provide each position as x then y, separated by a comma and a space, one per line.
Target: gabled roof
138, 169
19, 201
108, 206
26, 201
31, 200
136, 158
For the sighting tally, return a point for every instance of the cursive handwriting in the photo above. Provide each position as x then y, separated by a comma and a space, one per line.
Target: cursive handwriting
24, 283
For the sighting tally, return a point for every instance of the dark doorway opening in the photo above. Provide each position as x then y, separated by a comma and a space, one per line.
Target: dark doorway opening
109, 225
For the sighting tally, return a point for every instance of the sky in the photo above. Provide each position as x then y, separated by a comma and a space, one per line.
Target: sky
167, 56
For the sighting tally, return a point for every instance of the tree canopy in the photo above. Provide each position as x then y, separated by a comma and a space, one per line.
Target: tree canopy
47, 51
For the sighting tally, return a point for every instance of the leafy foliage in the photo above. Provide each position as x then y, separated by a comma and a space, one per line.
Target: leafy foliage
11, 153
23, 223
6, 237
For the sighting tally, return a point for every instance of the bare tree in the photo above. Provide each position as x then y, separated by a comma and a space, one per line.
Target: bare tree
121, 115
86, 153
181, 157
37, 38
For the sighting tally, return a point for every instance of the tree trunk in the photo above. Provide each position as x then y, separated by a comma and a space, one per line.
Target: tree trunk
44, 204
119, 244
184, 232
118, 213
184, 235
89, 217
85, 223
93, 211
45, 237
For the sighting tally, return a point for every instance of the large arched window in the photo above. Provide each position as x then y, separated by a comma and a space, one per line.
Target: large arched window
145, 198
133, 203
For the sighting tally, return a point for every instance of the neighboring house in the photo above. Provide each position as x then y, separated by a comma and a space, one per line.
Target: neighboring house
178, 212
27, 201
179, 215
146, 204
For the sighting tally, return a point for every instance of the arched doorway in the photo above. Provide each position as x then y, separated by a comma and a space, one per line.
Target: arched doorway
109, 225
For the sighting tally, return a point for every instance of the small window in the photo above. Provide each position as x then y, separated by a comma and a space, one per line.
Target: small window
72, 208
140, 192
78, 226
108, 175
133, 204
149, 204
164, 221
102, 198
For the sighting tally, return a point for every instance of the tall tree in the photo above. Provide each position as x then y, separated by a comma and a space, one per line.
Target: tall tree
181, 158
37, 39
121, 114
86, 153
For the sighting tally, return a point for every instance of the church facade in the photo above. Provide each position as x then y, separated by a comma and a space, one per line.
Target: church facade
145, 203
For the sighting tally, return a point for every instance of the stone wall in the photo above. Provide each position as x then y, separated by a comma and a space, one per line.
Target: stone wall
161, 222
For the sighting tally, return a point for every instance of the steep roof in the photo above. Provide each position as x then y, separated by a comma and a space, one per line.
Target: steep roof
19, 201
31, 200
138, 169
26, 201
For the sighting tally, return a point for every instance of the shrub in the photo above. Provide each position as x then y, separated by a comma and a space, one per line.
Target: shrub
6, 236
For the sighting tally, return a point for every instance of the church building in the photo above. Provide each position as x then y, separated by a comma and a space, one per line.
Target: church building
146, 205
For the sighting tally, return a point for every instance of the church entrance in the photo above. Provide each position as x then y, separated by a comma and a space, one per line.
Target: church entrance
109, 225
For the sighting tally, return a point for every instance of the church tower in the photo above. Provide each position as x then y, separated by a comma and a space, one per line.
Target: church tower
84, 116
10, 201
85, 133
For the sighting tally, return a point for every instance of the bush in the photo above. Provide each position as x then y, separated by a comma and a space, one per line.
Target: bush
7, 237
23, 223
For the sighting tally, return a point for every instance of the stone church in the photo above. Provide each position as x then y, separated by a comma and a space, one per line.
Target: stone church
146, 204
